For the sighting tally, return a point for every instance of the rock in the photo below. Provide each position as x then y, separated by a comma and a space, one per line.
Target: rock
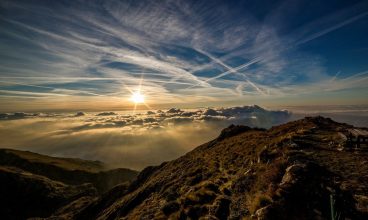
262, 213
361, 203
291, 174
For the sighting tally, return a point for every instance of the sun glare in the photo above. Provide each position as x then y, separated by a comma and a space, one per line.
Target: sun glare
137, 98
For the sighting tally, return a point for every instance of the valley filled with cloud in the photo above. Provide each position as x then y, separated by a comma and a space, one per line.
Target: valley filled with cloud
125, 139
136, 140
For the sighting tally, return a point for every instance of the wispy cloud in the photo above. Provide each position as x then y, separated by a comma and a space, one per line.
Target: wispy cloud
185, 50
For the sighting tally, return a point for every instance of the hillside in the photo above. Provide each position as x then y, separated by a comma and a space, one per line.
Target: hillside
24, 194
292, 171
35, 185
72, 171
10, 155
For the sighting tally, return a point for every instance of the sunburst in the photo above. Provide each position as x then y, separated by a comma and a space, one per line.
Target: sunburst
138, 97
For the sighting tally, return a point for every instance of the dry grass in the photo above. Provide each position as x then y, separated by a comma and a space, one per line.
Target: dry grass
246, 169
260, 200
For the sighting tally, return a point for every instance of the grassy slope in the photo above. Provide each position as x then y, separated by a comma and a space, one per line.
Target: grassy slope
287, 172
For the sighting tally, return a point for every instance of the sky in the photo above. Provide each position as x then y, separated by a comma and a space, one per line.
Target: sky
92, 55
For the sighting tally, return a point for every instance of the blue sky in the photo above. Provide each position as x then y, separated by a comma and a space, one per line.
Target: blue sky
94, 54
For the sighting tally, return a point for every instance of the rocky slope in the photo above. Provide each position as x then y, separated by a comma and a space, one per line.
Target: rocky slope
292, 171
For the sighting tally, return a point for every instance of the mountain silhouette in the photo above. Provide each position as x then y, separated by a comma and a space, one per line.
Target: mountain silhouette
35, 185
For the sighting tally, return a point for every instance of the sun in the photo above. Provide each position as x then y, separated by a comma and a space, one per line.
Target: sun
137, 98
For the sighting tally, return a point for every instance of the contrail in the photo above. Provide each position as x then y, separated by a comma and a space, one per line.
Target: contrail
232, 70
356, 75
328, 30
335, 76
47, 87
37, 94
307, 39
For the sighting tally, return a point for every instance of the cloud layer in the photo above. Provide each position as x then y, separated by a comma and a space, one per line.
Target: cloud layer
127, 140
123, 139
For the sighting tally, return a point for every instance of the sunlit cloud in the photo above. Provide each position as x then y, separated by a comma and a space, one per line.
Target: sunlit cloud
126, 139
144, 138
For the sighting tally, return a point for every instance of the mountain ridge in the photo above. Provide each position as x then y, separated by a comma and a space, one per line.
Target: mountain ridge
286, 172
72, 171
36, 185
291, 171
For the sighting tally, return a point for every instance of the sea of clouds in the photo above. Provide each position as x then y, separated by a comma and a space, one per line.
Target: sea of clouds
124, 139
137, 140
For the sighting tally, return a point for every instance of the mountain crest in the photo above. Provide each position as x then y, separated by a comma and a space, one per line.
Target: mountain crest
299, 170
290, 171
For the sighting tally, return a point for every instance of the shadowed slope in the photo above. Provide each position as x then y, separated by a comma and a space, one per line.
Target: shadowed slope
35, 185
67, 170
24, 194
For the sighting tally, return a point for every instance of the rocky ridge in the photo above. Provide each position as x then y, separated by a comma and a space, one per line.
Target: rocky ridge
291, 171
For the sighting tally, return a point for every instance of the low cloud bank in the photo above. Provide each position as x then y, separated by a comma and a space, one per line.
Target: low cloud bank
253, 116
127, 140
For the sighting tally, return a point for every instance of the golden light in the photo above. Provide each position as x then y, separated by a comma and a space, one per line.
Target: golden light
137, 98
